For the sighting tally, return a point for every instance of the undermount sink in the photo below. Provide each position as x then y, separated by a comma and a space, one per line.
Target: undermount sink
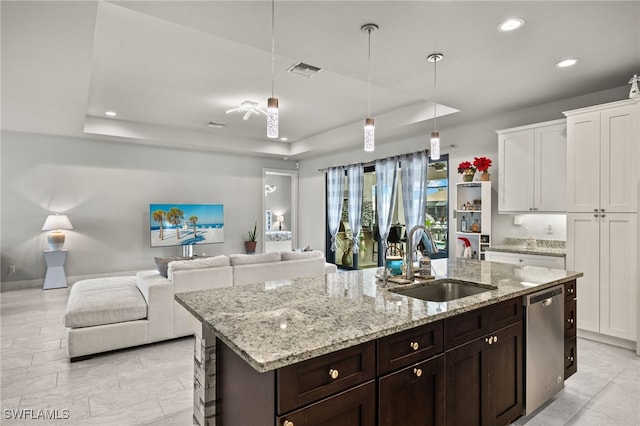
443, 290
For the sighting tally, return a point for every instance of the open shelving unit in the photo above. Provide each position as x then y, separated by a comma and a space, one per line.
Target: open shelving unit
473, 217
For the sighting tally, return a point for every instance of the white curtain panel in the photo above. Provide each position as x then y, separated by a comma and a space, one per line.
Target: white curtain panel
414, 191
355, 185
335, 194
386, 178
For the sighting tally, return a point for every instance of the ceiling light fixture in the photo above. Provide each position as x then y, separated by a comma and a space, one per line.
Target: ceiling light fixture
369, 126
435, 135
248, 108
511, 24
272, 102
569, 62
111, 113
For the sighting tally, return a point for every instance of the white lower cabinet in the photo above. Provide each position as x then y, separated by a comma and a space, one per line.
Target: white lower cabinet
604, 247
554, 262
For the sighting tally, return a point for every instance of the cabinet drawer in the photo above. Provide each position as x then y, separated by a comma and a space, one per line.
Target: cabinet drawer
414, 395
312, 380
402, 349
570, 357
570, 324
466, 327
570, 291
355, 407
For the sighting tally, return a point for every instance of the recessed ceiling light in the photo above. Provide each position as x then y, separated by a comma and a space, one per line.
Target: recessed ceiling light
511, 24
111, 113
569, 62
284, 139
216, 125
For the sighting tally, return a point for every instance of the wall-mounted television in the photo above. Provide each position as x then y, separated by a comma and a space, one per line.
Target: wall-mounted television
186, 224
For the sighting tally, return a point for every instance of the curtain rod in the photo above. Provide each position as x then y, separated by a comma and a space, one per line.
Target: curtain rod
373, 162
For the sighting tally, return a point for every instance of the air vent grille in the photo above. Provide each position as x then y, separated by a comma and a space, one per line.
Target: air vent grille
304, 69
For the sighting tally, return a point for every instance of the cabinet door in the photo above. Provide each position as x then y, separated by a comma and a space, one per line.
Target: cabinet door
414, 395
515, 175
583, 254
466, 374
619, 159
506, 376
550, 169
355, 407
618, 275
583, 162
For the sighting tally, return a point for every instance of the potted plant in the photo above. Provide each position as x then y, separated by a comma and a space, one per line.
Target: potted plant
467, 170
250, 245
482, 164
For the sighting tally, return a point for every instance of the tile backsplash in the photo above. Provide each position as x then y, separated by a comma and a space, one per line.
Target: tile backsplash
551, 227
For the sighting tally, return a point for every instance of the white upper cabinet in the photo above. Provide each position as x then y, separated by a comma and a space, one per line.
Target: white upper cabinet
602, 158
532, 168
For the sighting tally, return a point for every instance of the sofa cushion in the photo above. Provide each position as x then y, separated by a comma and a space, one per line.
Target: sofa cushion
196, 263
249, 259
298, 255
104, 301
162, 263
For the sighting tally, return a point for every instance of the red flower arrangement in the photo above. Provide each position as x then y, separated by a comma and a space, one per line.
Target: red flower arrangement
481, 163
464, 166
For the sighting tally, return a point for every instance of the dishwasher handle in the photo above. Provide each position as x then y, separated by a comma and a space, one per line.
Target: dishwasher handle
543, 296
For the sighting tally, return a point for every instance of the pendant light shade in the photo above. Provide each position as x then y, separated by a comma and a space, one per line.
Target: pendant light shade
272, 118
369, 135
272, 102
369, 127
435, 135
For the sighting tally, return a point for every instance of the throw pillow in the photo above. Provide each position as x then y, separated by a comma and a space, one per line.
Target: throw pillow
298, 255
200, 262
162, 263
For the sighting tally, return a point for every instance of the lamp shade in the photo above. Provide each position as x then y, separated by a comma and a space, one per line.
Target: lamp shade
280, 218
56, 221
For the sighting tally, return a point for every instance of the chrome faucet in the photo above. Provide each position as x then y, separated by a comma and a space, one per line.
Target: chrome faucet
409, 259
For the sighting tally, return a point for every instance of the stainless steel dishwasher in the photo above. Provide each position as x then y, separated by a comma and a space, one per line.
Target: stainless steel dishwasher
544, 346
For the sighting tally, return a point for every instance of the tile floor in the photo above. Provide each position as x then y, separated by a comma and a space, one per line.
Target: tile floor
152, 385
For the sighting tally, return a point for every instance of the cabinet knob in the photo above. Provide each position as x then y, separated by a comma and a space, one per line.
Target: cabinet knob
570, 358
414, 345
596, 215
571, 290
495, 339
520, 260
595, 210
333, 374
489, 340
417, 372
570, 320
287, 423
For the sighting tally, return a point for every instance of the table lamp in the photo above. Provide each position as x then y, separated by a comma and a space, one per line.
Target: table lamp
280, 219
55, 223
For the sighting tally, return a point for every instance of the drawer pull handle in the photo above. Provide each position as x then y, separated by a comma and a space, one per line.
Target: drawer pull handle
333, 374
417, 372
570, 321
414, 345
287, 423
570, 358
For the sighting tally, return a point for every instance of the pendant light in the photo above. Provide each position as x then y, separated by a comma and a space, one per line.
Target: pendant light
272, 102
369, 127
435, 135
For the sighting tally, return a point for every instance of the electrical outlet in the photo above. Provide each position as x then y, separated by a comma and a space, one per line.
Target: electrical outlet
12, 269
549, 229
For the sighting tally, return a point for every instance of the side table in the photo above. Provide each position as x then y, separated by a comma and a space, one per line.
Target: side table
56, 277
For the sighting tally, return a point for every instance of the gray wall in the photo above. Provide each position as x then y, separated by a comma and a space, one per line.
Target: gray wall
476, 138
105, 188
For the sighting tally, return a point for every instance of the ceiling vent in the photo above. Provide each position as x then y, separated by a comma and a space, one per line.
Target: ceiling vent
304, 69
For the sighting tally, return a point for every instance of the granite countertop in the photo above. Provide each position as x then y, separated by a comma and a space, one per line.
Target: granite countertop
278, 323
544, 251
556, 248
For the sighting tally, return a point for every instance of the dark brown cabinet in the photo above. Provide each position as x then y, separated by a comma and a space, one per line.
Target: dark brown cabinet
484, 370
570, 329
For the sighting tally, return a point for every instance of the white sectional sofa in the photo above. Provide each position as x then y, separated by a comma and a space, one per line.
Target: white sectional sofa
104, 314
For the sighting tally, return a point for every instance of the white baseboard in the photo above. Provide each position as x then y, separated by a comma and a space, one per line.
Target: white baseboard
19, 285
609, 340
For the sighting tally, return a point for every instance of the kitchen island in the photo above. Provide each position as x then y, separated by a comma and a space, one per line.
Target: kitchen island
260, 334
